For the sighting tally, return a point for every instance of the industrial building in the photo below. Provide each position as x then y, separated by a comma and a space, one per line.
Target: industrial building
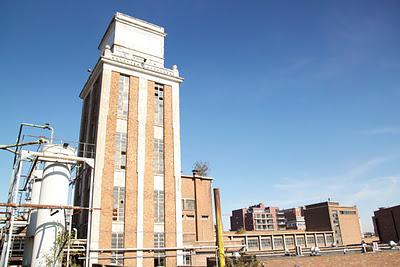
131, 204
256, 241
131, 115
387, 224
257, 218
330, 216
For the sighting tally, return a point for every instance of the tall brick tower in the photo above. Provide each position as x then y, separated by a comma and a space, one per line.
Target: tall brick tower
130, 125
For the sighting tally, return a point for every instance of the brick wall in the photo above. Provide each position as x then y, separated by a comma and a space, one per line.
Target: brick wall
387, 223
370, 260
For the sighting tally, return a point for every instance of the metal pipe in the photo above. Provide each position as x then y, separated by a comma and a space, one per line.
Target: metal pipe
160, 249
90, 214
37, 142
220, 238
45, 156
195, 203
30, 173
40, 206
46, 126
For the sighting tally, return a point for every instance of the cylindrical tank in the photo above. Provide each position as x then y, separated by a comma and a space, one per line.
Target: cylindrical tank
50, 223
30, 230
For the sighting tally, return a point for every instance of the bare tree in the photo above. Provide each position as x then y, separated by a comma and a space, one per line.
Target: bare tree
201, 168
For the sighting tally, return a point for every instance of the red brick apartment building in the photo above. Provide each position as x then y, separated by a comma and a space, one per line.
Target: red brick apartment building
330, 216
387, 224
295, 218
257, 218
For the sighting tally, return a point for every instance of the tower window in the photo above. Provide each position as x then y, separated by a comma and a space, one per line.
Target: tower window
123, 94
158, 157
188, 204
159, 104
159, 257
117, 241
158, 206
120, 151
119, 207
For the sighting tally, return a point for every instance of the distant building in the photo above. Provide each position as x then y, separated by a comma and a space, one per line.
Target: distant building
279, 240
294, 219
258, 218
329, 216
387, 224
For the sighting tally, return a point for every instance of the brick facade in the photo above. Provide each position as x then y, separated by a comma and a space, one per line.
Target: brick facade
387, 224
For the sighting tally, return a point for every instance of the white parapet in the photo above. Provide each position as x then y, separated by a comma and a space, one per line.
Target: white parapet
50, 223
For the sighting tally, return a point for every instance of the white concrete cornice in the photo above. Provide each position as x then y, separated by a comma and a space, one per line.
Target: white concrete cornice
163, 73
113, 60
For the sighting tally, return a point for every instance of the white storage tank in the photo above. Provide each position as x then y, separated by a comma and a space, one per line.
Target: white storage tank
36, 180
54, 191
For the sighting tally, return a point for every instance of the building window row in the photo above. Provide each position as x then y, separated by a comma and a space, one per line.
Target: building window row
252, 244
289, 241
266, 243
300, 240
310, 239
348, 212
278, 242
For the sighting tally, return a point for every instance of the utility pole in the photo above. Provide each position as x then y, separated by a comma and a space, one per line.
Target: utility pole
220, 238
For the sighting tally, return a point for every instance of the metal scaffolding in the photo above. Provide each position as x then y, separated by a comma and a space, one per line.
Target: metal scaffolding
16, 212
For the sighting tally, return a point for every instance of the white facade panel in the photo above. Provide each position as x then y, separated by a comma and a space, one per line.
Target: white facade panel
142, 115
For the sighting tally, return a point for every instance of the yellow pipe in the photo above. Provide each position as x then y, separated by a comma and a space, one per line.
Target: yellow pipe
220, 238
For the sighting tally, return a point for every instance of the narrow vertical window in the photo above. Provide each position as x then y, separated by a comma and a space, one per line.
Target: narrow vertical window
159, 104
120, 151
123, 92
159, 240
117, 241
159, 257
158, 157
158, 206
119, 206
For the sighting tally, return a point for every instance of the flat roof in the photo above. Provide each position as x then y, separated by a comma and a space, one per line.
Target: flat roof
187, 176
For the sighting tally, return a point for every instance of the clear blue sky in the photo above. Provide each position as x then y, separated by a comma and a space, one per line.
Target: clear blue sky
291, 102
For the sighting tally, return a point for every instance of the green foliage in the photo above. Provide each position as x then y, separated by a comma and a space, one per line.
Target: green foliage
243, 261
55, 256
241, 231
